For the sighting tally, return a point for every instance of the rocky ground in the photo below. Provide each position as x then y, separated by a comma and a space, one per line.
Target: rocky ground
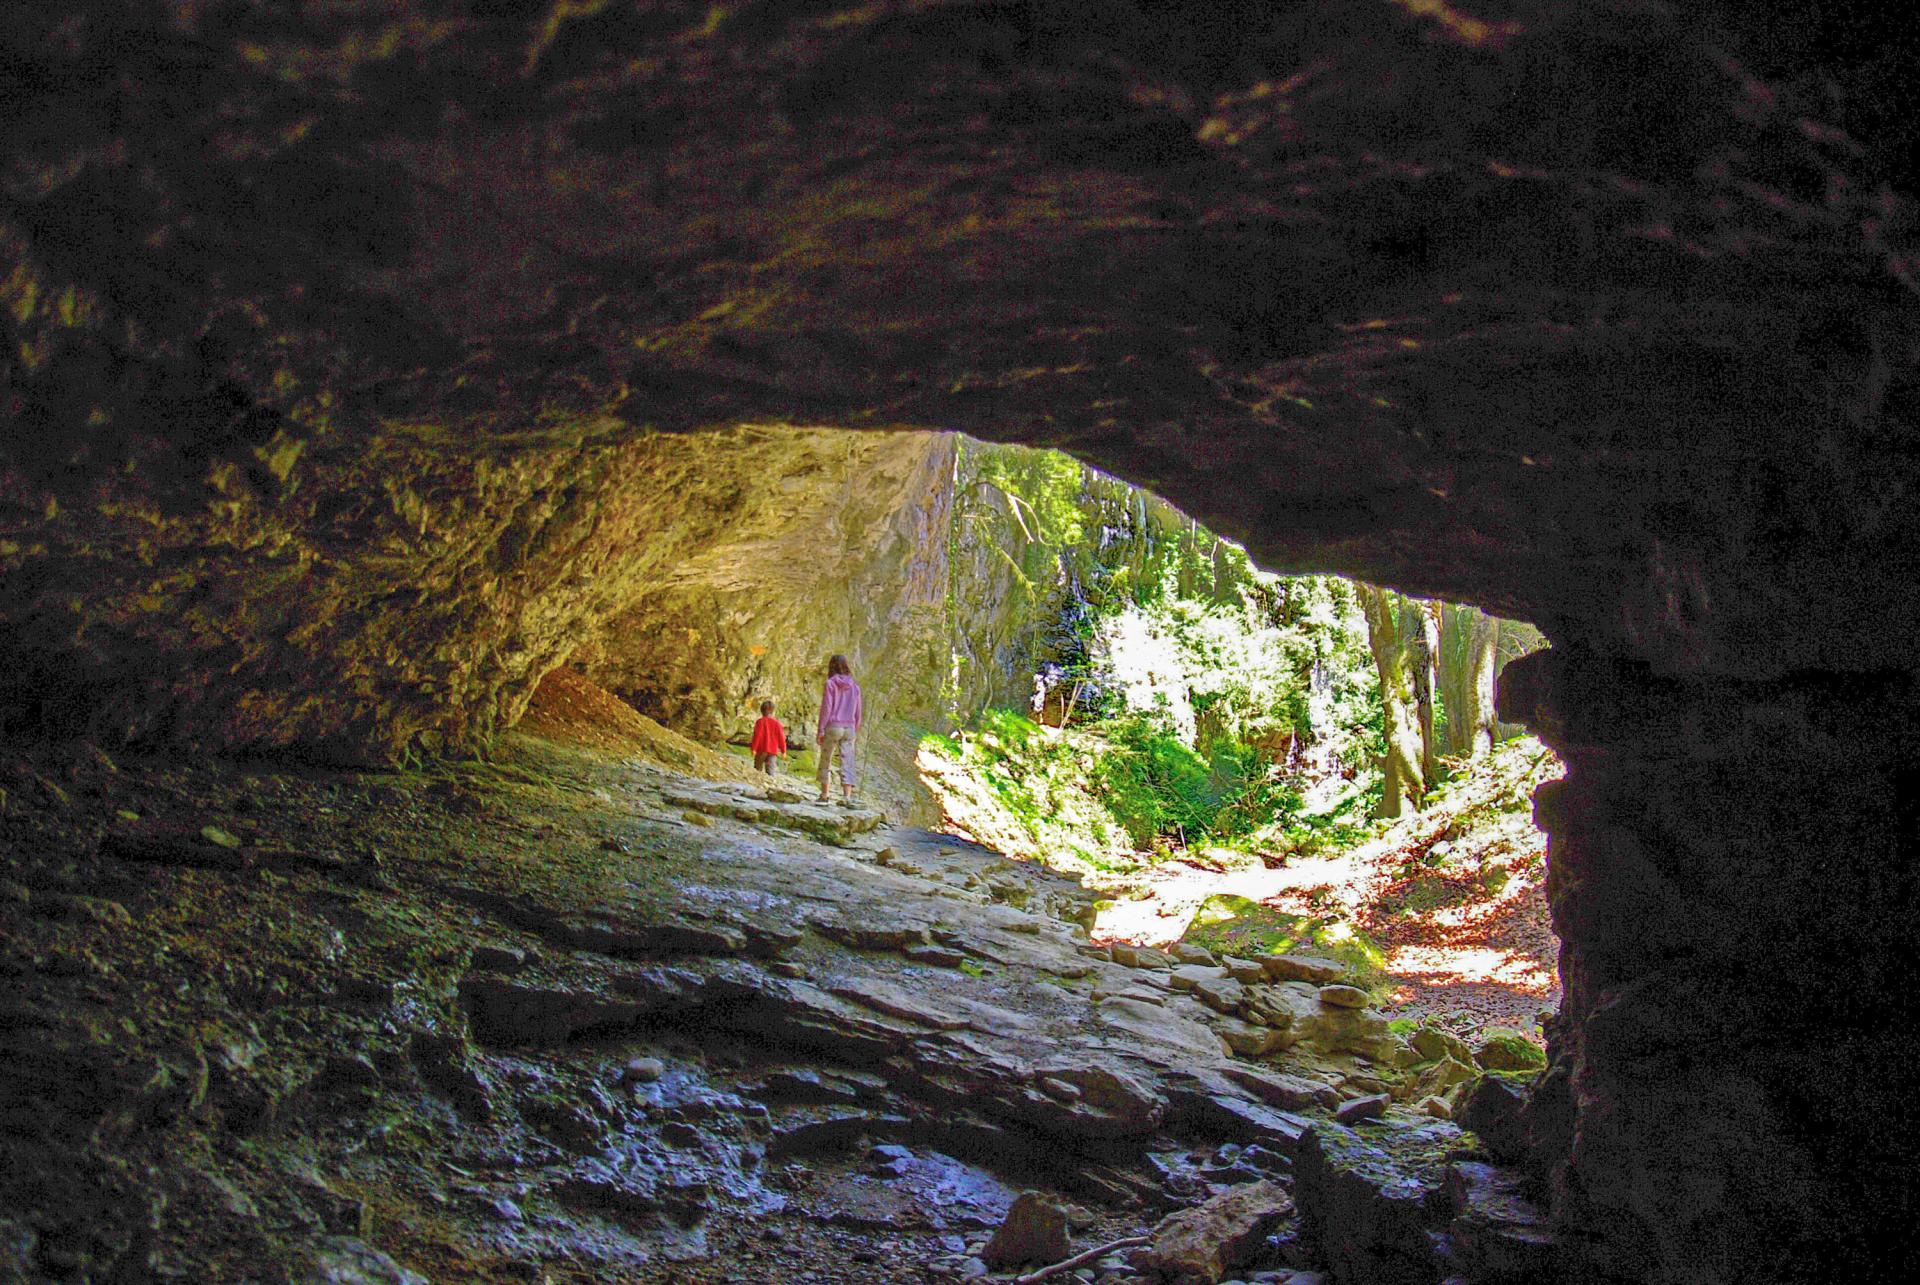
570, 1015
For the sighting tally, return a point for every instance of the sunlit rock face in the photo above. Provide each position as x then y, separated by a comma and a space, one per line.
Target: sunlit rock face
403, 595
837, 543
815, 543
335, 345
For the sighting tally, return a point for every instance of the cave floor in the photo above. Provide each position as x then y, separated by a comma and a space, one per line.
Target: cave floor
569, 1016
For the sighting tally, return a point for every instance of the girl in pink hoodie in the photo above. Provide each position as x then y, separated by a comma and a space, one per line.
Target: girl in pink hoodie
839, 724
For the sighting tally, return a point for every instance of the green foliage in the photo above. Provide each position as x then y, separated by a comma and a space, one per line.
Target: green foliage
1136, 610
1157, 787
1207, 702
1219, 698
1044, 488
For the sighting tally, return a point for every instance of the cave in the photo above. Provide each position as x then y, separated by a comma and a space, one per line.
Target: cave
369, 361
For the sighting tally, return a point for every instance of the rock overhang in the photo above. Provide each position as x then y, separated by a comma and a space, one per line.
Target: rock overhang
1558, 311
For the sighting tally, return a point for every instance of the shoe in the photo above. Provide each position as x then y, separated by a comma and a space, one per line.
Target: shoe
823, 799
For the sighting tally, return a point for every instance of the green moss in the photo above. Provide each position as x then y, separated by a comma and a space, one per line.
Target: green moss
1510, 1051
1232, 925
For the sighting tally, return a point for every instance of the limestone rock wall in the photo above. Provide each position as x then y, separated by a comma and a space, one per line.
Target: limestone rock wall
882, 546
403, 595
360, 599
826, 542
1720, 1096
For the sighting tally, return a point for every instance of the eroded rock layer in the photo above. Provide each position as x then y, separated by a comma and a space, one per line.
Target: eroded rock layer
1633, 356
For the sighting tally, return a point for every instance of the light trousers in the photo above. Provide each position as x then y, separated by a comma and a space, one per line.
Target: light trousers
835, 736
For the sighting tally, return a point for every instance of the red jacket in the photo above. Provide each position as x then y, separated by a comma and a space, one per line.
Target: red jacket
769, 737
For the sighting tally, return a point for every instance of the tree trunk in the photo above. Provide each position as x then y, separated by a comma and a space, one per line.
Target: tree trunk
1387, 638
1469, 650
1422, 622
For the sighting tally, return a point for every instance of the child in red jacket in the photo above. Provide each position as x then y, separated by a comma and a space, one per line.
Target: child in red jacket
769, 739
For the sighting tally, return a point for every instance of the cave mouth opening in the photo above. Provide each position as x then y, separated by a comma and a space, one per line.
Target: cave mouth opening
1061, 667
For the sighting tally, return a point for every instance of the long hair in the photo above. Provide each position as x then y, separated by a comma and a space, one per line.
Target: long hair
837, 664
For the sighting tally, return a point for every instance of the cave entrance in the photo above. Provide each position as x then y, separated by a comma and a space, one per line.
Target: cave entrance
1066, 669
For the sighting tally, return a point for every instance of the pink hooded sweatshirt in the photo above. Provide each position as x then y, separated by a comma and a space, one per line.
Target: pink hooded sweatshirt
839, 703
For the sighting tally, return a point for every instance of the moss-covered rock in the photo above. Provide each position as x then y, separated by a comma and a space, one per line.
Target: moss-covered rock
1433, 1042
1510, 1051
1234, 925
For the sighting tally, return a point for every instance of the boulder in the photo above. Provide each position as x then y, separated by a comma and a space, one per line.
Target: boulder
1106, 1102
1210, 1107
1247, 1039
1341, 996
1433, 1043
1370, 1107
643, 1070
1245, 971
1034, 1231
1510, 1051
1303, 968
1188, 953
1133, 956
1350, 1030
1282, 1007
1199, 1246
1369, 1204
1221, 994
1278, 1089
1189, 976
1443, 1075
1495, 1111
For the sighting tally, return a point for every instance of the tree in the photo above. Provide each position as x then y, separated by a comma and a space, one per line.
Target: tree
1424, 656
1393, 624
1469, 653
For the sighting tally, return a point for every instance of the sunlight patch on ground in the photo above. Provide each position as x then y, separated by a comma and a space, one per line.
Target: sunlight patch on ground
1176, 890
1459, 965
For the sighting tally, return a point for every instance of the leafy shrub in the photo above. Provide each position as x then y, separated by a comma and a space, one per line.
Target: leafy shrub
1156, 787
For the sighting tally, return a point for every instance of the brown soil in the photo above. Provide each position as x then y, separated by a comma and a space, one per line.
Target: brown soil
569, 708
